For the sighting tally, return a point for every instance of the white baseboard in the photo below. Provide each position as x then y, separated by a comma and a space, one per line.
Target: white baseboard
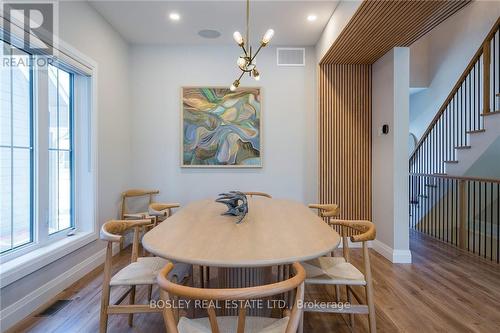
19, 310
394, 256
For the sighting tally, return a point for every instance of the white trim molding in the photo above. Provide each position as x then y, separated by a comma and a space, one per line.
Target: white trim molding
33, 302
19, 310
394, 256
19, 267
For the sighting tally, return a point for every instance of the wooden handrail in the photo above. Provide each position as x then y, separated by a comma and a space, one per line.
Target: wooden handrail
476, 179
465, 73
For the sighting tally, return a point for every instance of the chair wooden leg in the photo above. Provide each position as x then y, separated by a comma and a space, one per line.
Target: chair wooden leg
132, 301
301, 323
371, 308
337, 293
176, 301
103, 322
349, 299
369, 290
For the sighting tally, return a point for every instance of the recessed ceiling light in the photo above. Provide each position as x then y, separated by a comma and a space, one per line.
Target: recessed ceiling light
174, 16
311, 18
208, 33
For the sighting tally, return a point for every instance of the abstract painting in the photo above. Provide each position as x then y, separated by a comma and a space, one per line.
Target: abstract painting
221, 128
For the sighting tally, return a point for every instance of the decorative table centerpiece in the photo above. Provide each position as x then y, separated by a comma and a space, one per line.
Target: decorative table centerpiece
236, 202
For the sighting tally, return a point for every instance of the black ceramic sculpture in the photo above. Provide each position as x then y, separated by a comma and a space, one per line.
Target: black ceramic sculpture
236, 203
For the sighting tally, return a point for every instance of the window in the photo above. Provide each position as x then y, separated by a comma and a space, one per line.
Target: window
16, 151
60, 150
17, 158
47, 156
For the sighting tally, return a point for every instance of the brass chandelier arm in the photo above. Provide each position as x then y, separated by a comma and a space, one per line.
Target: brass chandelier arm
244, 49
246, 62
260, 47
236, 82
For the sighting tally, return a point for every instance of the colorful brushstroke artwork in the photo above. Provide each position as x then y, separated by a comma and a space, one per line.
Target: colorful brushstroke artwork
221, 128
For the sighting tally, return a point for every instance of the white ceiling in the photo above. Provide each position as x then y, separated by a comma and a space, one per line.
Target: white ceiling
147, 22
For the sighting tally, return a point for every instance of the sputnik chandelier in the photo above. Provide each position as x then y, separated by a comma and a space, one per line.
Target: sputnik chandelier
246, 61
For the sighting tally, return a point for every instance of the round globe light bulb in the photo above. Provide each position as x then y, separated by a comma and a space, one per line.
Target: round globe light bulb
241, 62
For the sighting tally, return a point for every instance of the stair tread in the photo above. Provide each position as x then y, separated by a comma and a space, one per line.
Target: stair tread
451, 161
431, 185
462, 147
476, 131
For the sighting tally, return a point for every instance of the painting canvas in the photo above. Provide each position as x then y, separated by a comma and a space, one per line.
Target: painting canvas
221, 128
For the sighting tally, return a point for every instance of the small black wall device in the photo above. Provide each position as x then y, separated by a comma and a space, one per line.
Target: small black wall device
385, 129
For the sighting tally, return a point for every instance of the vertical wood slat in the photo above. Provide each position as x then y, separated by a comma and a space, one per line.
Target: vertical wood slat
344, 149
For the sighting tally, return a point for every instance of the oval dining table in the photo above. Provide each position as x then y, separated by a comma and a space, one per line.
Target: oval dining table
274, 232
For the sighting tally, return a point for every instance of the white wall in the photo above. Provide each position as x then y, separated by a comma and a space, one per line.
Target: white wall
84, 29
419, 64
288, 112
449, 48
339, 19
390, 105
482, 167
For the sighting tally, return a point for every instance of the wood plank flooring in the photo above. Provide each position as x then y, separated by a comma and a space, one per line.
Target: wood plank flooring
443, 290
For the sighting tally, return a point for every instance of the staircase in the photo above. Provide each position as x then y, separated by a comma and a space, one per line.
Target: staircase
464, 211
479, 141
470, 111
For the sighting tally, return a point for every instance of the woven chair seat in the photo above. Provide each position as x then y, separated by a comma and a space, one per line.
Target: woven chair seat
145, 270
332, 270
229, 324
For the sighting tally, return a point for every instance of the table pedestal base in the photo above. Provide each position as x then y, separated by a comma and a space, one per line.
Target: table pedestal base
246, 277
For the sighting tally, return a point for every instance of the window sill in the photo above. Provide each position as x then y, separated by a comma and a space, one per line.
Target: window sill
19, 267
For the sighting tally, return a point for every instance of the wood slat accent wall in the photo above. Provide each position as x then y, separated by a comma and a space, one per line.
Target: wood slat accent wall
378, 26
344, 123
344, 156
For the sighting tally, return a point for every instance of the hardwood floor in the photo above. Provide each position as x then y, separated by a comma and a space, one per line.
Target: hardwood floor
443, 290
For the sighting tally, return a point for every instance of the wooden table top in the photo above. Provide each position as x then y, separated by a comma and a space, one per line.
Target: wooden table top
273, 232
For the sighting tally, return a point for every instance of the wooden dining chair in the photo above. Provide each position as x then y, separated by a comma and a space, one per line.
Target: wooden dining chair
127, 195
339, 271
231, 324
259, 194
161, 211
127, 214
140, 271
